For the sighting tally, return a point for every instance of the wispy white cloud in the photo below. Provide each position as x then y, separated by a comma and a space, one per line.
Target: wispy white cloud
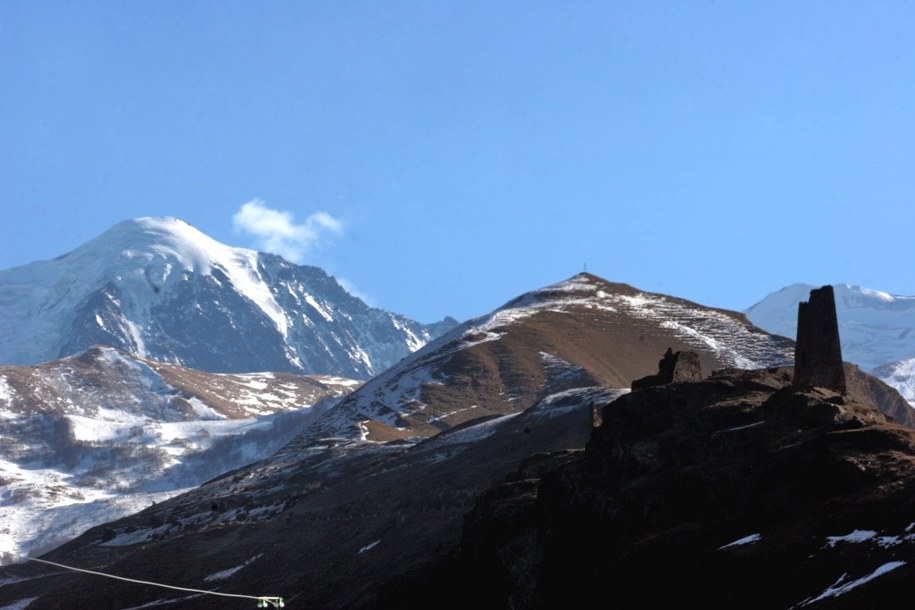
277, 232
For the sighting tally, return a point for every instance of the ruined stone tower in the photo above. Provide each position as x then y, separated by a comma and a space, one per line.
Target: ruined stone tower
818, 354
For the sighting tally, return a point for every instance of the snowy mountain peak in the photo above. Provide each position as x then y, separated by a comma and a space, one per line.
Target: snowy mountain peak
160, 288
778, 311
167, 237
141, 241
160, 251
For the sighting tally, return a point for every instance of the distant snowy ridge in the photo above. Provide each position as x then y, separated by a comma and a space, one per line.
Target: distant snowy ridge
877, 329
91, 438
161, 289
900, 375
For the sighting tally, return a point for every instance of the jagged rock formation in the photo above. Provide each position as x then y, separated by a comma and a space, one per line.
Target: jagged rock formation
673, 367
818, 353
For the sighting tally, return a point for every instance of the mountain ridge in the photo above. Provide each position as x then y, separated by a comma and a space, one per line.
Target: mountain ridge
584, 331
98, 435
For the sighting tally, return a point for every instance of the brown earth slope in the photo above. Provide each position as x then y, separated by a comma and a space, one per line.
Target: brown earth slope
582, 332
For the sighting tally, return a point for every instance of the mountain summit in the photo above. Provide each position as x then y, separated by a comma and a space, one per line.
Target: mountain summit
578, 333
161, 289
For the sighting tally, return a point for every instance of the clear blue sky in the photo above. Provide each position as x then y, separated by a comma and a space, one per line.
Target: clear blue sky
460, 153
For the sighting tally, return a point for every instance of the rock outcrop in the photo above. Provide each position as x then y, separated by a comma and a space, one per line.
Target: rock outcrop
818, 353
673, 367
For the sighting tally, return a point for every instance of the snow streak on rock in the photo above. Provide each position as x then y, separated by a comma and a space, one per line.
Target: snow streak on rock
843, 585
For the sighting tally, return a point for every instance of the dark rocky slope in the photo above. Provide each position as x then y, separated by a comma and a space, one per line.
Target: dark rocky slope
739, 490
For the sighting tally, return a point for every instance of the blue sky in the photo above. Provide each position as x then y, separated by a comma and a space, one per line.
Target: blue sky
443, 157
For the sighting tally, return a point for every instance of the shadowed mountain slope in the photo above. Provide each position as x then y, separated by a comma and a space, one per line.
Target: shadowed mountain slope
738, 491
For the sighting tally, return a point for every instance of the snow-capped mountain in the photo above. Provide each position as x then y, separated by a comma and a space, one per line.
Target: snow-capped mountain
877, 329
161, 289
93, 437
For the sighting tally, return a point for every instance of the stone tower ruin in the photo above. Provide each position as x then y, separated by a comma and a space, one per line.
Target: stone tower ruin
818, 354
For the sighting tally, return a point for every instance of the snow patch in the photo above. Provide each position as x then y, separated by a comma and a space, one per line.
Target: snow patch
840, 587
575, 398
900, 375
742, 541
136, 335
368, 547
744, 427
469, 434
855, 537
203, 410
875, 294
319, 308
6, 392
224, 574
434, 418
